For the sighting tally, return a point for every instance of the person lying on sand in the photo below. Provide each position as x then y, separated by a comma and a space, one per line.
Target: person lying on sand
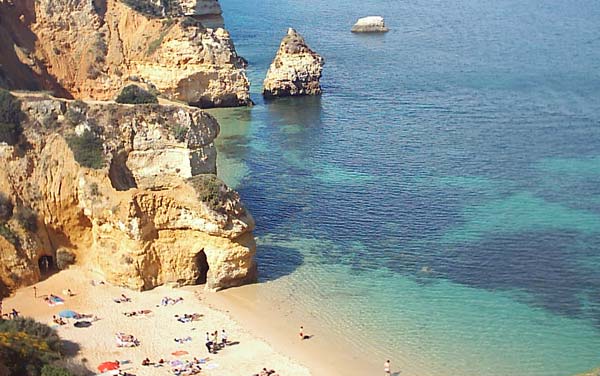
183, 340
58, 320
167, 300
137, 313
122, 299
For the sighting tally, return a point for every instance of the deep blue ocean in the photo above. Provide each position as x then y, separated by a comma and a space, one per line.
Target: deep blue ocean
441, 199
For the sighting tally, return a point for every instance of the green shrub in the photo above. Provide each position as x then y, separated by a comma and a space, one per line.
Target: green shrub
49, 121
10, 109
10, 118
76, 112
189, 22
27, 218
179, 132
87, 149
210, 189
10, 132
27, 346
6, 208
134, 94
33, 328
9, 235
49, 370
147, 7
144, 7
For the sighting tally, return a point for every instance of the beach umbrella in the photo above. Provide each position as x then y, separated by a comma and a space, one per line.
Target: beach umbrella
179, 353
68, 314
108, 366
82, 324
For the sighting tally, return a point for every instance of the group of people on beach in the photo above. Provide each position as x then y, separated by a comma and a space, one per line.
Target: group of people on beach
58, 320
265, 372
122, 299
13, 314
213, 344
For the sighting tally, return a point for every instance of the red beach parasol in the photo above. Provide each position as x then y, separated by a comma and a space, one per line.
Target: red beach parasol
108, 366
179, 353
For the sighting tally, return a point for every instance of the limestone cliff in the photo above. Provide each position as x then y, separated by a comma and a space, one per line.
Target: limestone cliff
148, 209
296, 69
91, 49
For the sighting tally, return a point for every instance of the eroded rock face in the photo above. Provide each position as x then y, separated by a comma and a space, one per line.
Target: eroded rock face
296, 69
371, 24
144, 219
201, 7
206, 11
92, 49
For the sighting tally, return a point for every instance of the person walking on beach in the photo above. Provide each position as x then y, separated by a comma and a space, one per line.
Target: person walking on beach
301, 332
34, 292
223, 338
386, 368
208, 343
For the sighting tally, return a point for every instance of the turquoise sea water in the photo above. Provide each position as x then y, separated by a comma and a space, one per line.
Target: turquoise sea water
441, 200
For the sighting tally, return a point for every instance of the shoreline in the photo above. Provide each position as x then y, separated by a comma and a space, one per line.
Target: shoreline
156, 330
325, 353
267, 335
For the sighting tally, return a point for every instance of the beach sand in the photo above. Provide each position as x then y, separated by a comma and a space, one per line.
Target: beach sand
326, 353
156, 331
268, 336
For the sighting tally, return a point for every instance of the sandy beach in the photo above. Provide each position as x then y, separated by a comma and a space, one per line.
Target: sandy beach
156, 331
260, 338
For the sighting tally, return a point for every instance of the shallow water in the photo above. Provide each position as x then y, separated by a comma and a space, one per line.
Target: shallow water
441, 200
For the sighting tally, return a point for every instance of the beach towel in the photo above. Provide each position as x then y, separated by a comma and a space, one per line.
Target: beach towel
55, 300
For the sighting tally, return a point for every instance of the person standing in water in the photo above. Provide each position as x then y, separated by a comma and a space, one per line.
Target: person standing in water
386, 368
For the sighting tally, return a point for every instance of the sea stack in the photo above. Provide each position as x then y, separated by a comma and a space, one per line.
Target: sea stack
371, 24
296, 69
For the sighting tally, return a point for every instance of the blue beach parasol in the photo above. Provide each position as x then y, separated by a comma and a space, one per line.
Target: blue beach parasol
68, 314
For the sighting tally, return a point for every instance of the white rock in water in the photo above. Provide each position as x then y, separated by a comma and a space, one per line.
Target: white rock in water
371, 24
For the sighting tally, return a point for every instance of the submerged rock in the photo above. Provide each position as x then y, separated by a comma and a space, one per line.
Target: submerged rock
296, 69
371, 24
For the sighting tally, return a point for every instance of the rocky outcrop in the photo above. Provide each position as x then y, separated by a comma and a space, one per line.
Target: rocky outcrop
371, 24
150, 212
200, 7
92, 49
296, 69
208, 12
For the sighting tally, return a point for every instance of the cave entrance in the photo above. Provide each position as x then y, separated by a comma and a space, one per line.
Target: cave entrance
46, 264
202, 265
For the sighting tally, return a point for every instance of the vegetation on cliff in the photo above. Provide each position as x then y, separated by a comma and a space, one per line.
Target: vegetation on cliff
151, 9
133, 94
25, 217
211, 190
10, 118
87, 149
30, 348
